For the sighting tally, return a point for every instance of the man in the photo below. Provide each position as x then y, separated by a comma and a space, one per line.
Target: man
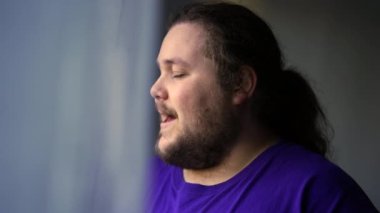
238, 131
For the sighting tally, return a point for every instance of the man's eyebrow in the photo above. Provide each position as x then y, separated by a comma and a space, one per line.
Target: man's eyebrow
173, 61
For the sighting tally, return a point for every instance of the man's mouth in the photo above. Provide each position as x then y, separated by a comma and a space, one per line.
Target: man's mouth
167, 116
167, 120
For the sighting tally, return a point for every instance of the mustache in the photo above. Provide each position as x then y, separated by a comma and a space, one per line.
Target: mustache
165, 110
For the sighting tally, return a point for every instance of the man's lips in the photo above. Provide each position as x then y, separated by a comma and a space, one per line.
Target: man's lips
167, 122
165, 119
167, 115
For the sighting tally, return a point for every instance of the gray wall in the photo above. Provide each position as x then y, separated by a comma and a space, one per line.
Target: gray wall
336, 44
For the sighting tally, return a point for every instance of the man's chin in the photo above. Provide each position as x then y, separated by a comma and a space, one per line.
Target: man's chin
162, 145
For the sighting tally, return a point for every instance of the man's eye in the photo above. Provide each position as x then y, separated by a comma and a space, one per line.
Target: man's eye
178, 75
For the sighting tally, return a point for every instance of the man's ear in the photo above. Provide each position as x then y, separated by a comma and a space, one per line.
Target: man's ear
246, 85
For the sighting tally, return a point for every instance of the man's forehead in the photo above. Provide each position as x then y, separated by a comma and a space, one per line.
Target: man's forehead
173, 61
182, 44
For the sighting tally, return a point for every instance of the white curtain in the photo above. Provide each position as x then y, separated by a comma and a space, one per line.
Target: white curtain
75, 111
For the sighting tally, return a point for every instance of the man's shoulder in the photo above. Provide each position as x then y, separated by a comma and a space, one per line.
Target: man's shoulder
302, 166
293, 159
320, 183
290, 168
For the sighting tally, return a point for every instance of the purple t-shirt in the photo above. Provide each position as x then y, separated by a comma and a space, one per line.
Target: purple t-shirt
284, 178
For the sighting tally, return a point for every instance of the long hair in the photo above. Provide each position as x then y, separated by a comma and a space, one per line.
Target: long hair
283, 102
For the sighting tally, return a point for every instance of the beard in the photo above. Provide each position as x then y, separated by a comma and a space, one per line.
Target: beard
206, 143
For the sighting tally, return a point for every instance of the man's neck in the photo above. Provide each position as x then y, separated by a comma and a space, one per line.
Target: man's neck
240, 157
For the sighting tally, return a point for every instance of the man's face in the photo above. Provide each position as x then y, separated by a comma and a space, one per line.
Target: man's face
198, 122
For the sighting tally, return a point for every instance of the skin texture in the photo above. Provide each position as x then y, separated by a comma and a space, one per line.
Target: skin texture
204, 129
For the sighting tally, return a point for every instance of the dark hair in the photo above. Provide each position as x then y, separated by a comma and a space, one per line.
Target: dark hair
283, 102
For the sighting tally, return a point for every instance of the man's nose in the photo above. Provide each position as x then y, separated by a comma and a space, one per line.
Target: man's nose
158, 90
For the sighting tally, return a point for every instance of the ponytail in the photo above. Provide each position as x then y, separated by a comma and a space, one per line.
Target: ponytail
290, 109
